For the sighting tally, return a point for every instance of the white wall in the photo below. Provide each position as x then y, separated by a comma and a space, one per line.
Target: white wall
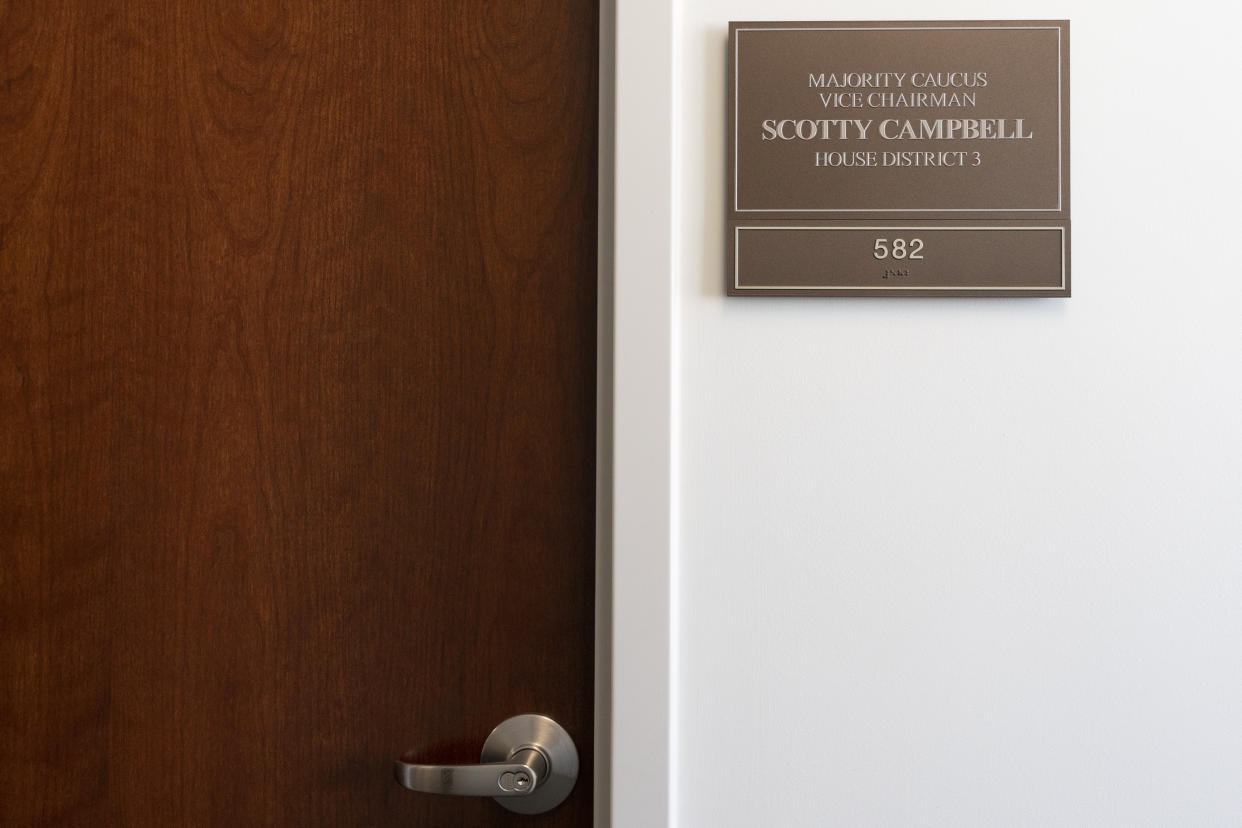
975, 562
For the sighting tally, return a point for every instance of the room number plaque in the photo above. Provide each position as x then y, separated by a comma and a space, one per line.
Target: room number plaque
899, 159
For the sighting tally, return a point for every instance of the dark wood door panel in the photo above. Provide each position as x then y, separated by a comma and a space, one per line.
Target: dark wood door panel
297, 350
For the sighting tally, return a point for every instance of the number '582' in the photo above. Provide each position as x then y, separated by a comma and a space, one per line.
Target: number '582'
898, 249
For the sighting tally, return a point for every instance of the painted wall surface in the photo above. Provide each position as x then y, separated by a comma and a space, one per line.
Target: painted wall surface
975, 562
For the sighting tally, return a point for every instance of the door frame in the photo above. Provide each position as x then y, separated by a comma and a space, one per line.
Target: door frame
636, 527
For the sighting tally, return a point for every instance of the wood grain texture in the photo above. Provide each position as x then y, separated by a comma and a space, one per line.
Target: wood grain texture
297, 348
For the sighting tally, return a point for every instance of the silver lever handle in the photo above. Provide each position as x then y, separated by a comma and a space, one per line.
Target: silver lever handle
529, 765
518, 777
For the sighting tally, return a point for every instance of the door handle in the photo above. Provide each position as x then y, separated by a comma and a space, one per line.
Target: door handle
529, 765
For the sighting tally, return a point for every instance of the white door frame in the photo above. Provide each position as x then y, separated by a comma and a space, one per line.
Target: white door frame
637, 523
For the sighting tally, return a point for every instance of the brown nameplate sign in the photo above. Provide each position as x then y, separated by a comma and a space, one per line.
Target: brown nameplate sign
899, 159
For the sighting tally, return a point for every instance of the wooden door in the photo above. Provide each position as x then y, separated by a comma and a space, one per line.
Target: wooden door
297, 353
